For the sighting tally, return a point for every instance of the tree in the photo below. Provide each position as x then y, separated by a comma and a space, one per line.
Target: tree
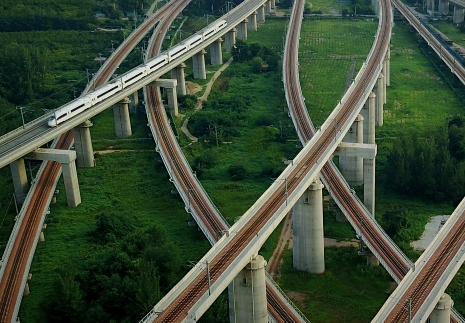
147, 286
66, 304
257, 64
237, 172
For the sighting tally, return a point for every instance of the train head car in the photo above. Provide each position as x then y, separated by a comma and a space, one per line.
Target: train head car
68, 111
221, 24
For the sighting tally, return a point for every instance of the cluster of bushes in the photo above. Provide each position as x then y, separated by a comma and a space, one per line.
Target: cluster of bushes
430, 166
257, 55
122, 281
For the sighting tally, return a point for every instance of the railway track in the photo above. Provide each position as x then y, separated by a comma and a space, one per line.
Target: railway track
331, 176
202, 206
16, 264
178, 310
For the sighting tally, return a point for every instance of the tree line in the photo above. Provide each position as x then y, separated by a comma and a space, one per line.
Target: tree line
430, 165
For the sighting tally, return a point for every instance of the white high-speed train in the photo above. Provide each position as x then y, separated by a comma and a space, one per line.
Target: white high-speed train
77, 106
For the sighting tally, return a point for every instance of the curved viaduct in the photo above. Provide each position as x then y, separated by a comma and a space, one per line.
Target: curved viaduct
306, 170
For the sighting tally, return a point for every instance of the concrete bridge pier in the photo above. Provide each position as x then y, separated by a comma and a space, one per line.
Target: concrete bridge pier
369, 119
19, 177
307, 230
380, 100
261, 14
230, 39
352, 166
134, 102
444, 7
67, 160
177, 73
387, 68
216, 55
252, 21
369, 184
441, 312
268, 7
122, 120
375, 5
247, 294
458, 14
83, 145
372, 260
242, 30
170, 87
273, 4
198, 61
430, 7
371, 114
368, 163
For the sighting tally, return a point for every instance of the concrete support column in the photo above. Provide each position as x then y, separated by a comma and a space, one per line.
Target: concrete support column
267, 7
27, 291
170, 86
441, 312
431, 7
242, 30
172, 101
230, 39
372, 260
387, 69
198, 61
83, 145
458, 14
369, 184
369, 164
444, 7
252, 21
307, 230
380, 100
19, 177
261, 14
273, 4
73, 195
371, 118
134, 102
352, 167
177, 73
122, 120
216, 55
247, 294
67, 160
375, 5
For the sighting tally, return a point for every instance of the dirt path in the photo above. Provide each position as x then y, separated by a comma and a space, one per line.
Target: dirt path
204, 97
285, 240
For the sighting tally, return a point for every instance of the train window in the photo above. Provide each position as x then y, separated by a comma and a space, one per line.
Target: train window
78, 107
108, 91
131, 78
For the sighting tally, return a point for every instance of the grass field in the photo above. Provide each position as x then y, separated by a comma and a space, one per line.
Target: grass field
328, 48
349, 291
